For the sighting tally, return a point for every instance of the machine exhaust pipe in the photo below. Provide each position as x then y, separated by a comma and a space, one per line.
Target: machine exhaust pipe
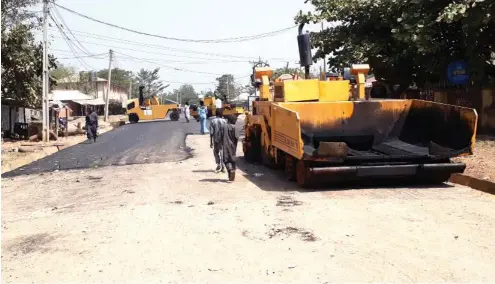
304, 44
141, 97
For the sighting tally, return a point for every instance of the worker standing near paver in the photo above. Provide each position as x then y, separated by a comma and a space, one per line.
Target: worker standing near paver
230, 136
203, 114
218, 102
216, 139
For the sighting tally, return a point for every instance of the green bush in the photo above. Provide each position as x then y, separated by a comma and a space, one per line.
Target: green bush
115, 107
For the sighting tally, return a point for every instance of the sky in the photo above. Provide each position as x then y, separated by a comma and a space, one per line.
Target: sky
192, 19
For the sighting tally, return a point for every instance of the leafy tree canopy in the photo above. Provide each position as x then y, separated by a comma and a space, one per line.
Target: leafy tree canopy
150, 79
22, 57
63, 71
406, 42
226, 89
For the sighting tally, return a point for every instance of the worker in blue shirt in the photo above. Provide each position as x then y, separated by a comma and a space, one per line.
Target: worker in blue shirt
203, 113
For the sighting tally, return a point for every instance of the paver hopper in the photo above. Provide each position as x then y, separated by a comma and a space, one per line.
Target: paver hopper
328, 131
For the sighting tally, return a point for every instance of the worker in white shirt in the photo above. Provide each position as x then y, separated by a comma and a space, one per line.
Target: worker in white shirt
187, 112
218, 102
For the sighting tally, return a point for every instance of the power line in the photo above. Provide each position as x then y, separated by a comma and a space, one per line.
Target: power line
129, 57
154, 59
158, 53
224, 40
104, 55
150, 52
67, 40
85, 56
113, 39
83, 49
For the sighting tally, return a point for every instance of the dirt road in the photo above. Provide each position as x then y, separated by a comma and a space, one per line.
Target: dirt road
178, 222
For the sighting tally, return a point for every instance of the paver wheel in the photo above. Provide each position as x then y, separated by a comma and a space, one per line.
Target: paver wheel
174, 116
290, 167
302, 174
133, 118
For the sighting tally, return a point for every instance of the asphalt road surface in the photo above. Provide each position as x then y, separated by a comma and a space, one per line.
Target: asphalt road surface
145, 142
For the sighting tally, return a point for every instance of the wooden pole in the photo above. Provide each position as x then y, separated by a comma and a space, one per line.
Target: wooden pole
66, 122
109, 84
57, 124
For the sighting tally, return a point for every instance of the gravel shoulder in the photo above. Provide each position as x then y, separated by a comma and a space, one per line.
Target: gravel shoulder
178, 222
482, 164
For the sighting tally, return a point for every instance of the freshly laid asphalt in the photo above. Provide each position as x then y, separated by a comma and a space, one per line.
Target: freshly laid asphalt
141, 143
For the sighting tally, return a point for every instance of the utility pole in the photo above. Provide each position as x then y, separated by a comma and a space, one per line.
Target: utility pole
46, 129
109, 84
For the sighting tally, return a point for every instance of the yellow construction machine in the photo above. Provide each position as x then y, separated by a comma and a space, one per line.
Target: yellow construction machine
228, 109
326, 131
150, 109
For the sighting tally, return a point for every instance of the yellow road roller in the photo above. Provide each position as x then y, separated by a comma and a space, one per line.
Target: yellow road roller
228, 109
324, 132
150, 109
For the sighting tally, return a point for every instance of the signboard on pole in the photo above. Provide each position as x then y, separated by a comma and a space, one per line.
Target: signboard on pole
457, 73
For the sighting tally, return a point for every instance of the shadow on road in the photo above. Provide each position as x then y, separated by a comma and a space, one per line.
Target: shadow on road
203, 171
215, 180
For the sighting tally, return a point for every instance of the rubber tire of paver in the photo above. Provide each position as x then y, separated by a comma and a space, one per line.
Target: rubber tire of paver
174, 116
133, 118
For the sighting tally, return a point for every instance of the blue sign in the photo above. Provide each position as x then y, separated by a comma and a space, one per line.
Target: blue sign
457, 73
347, 73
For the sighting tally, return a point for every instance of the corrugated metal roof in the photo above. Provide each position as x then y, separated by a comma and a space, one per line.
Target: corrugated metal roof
92, 102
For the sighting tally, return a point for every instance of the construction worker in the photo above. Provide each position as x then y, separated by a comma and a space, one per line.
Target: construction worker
203, 113
218, 102
230, 136
216, 139
187, 112
91, 125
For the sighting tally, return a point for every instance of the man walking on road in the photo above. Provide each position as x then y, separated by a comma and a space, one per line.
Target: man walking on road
229, 145
187, 112
216, 139
92, 125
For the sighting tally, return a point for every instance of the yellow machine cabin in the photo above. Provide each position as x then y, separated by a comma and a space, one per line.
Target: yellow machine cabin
150, 109
209, 102
329, 131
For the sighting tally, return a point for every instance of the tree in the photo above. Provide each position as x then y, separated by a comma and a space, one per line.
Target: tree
279, 71
226, 88
150, 79
21, 56
22, 67
122, 78
207, 93
406, 42
15, 12
188, 94
250, 89
62, 71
